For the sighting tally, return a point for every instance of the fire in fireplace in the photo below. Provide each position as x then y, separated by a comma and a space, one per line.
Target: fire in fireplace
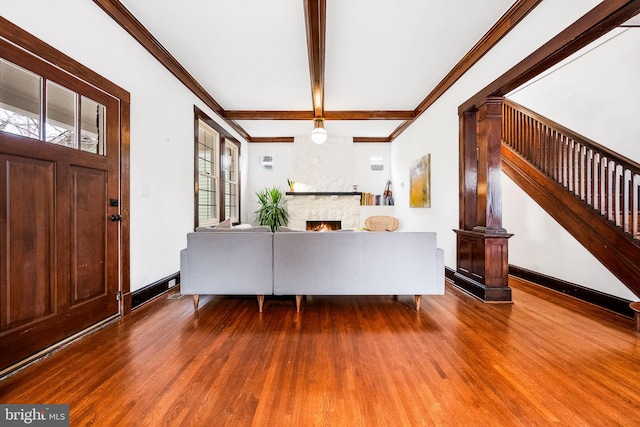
323, 225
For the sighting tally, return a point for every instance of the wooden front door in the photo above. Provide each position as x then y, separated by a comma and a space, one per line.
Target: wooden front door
59, 245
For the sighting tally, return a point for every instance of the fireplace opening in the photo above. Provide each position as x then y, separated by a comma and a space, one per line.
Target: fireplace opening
324, 225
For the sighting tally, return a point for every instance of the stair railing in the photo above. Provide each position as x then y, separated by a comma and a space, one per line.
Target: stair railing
605, 180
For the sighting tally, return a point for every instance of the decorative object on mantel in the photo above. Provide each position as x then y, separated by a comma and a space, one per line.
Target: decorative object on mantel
272, 211
388, 195
420, 182
318, 134
291, 184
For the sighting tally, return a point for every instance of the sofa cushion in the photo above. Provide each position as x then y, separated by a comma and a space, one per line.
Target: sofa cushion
224, 224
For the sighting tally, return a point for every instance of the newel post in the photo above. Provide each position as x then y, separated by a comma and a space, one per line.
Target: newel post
482, 264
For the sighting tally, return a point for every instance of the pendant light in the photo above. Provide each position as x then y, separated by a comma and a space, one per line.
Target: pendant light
318, 134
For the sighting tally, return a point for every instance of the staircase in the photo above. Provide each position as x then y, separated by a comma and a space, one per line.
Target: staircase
593, 192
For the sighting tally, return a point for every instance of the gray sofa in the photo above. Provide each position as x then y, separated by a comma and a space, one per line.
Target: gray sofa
258, 262
402, 263
228, 262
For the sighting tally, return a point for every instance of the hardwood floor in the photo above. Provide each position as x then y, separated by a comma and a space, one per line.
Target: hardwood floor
352, 361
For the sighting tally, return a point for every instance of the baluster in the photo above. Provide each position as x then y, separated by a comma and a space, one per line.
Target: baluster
635, 200
596, 181
548, 153
536, 141
581, 172
610, 189
530, 137
617, 196
626, 211
588, 181
556, 156
603, 185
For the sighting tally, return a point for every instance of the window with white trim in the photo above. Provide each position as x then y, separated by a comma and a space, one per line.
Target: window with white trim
231, 193
207, 185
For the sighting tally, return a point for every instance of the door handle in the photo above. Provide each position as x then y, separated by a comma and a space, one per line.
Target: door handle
116, 217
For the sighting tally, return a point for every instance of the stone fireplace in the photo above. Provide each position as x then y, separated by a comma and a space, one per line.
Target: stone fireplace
341, 207
324, 175
324, 225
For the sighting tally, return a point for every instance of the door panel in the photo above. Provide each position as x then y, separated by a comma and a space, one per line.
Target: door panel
27, 271
88, 239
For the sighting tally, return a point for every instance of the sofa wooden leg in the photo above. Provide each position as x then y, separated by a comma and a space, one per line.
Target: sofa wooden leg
196, 299
418, 300
395, 297
260, 302
298, 299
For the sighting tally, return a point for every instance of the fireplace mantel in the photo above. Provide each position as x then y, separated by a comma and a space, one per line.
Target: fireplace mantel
322, 193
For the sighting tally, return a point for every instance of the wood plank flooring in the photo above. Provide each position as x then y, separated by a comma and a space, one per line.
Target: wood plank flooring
545, 360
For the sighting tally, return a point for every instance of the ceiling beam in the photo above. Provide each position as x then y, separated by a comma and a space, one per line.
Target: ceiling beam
309, 115
266, 139
315, 13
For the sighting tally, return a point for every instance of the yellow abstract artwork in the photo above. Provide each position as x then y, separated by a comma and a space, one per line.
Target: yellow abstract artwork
420, 180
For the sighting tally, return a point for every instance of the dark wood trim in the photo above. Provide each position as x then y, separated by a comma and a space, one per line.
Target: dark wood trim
369, 115
125, 204
608, 302
268, 115
501, 28
380, 139
606, 16
154, 290
328, 115
267, 139
315, 14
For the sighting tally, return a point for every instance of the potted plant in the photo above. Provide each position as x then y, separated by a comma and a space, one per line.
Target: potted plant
272, 211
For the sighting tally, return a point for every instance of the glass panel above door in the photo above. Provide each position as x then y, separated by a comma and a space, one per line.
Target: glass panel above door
20, 94
61, 116
92, 126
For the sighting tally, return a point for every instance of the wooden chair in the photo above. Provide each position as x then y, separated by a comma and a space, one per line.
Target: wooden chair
381, 223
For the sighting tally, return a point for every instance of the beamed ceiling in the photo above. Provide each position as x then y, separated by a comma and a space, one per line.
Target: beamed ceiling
368, 67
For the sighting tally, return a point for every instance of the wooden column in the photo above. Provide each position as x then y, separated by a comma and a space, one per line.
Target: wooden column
482, 244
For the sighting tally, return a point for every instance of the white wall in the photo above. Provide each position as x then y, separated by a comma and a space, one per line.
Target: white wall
161, 125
